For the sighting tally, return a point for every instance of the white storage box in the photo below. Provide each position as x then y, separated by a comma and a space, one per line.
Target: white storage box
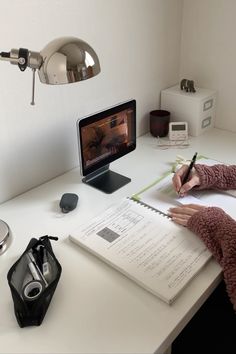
198, 108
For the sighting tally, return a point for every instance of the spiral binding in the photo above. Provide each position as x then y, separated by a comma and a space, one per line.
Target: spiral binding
150, 207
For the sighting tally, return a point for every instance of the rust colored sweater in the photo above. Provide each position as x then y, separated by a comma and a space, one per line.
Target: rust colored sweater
216, 228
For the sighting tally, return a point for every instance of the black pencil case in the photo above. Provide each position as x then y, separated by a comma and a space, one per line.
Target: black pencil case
33, 279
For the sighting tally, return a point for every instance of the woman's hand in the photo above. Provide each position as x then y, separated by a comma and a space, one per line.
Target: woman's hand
178, 178
182, 214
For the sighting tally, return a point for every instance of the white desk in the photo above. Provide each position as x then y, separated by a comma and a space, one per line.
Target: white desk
95, 309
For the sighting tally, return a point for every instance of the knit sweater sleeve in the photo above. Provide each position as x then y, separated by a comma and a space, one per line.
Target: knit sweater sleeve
216, 177
218, 231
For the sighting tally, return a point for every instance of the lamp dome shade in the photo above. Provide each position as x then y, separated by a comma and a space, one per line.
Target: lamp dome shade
66, 60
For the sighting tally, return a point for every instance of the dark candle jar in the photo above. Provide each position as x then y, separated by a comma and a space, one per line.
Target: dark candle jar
159, 122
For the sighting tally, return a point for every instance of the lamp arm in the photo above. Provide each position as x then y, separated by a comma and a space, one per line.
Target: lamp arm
23, 58
6, 56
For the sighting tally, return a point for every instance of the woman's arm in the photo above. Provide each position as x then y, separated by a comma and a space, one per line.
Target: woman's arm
203, 221
218, 231
205, 177
216, 177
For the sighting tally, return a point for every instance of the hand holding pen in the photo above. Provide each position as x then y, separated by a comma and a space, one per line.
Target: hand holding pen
185, 178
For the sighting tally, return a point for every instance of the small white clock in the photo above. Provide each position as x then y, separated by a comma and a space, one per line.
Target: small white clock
178, 130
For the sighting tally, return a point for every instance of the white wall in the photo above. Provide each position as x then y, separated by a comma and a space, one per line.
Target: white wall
208, 53
138, 43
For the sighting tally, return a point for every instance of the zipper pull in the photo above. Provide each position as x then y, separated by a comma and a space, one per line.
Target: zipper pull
55, 238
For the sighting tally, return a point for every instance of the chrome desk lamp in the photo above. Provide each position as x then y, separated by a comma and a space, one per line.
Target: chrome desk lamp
62, 61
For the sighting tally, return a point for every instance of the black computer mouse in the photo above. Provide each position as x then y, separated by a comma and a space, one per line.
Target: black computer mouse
68, 202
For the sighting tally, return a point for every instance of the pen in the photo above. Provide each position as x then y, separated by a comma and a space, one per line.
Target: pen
190, 167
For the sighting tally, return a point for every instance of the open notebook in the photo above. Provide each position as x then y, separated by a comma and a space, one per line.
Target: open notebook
145, 245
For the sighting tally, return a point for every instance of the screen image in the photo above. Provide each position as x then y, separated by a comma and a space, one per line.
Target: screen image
106, 136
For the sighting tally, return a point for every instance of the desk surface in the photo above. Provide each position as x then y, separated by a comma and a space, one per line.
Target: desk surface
95, 309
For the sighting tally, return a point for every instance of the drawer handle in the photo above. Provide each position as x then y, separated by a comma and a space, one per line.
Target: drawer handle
208, 104
206, 122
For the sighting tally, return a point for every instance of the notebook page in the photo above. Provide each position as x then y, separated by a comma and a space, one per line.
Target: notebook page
145, 246
162, 196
